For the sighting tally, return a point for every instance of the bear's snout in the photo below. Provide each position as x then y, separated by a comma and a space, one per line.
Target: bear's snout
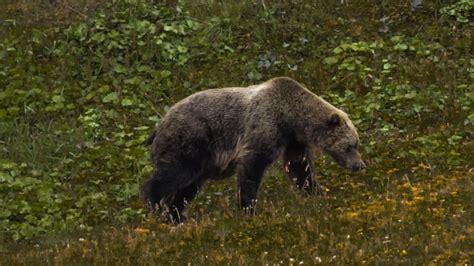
358, 166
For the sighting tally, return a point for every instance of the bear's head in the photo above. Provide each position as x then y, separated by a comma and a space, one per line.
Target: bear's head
340, 140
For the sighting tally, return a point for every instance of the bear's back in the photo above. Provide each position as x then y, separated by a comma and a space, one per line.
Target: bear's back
216, 106
211, 121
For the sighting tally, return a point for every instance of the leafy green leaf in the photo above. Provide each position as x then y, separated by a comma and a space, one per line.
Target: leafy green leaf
331, 60
118, 68
111, 97
387, 66
127, 102
58, 98
338, 50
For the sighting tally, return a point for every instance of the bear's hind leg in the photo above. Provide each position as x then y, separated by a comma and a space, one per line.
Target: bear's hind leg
299, 169
179, 202
158, 189
148, 191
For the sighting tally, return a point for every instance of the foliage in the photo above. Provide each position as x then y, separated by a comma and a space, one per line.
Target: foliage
124, 55
462, 10
76, 102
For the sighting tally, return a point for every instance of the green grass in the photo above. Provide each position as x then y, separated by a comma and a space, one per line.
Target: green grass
81, 88
407, 219
41, 144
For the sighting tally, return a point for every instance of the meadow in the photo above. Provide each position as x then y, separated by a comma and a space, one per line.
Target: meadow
83, 83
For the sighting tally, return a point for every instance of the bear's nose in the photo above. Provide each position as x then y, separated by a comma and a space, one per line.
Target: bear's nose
358, 167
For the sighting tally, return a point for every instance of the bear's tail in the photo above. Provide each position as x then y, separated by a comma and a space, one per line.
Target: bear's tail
150, 139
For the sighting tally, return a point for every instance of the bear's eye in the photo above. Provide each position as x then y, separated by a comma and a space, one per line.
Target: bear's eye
349, 149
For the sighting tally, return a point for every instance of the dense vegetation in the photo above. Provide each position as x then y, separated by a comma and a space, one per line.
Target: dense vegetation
77, 98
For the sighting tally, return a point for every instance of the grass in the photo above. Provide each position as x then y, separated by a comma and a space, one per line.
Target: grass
37, 143
47, 12
408, 219
75, 107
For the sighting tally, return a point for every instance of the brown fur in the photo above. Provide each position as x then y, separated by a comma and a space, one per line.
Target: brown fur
219, 132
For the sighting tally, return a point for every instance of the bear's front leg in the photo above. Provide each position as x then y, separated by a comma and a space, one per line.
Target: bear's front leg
249, 174
299, 168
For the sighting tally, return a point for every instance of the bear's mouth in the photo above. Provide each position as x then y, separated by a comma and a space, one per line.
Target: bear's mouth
339, 159
355, 167
351, 163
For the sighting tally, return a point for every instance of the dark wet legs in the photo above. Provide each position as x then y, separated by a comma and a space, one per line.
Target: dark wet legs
249, 175
299, 168
163, 194
179, 202
155, 189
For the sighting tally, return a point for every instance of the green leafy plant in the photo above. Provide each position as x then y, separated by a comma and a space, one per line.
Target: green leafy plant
461, 10
78, 99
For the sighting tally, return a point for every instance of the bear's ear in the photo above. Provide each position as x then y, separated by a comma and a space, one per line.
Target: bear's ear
334, 120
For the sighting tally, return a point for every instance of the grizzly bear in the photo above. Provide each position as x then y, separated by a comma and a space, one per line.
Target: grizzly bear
215, 133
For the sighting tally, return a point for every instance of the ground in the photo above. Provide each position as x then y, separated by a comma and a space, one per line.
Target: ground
82, 86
